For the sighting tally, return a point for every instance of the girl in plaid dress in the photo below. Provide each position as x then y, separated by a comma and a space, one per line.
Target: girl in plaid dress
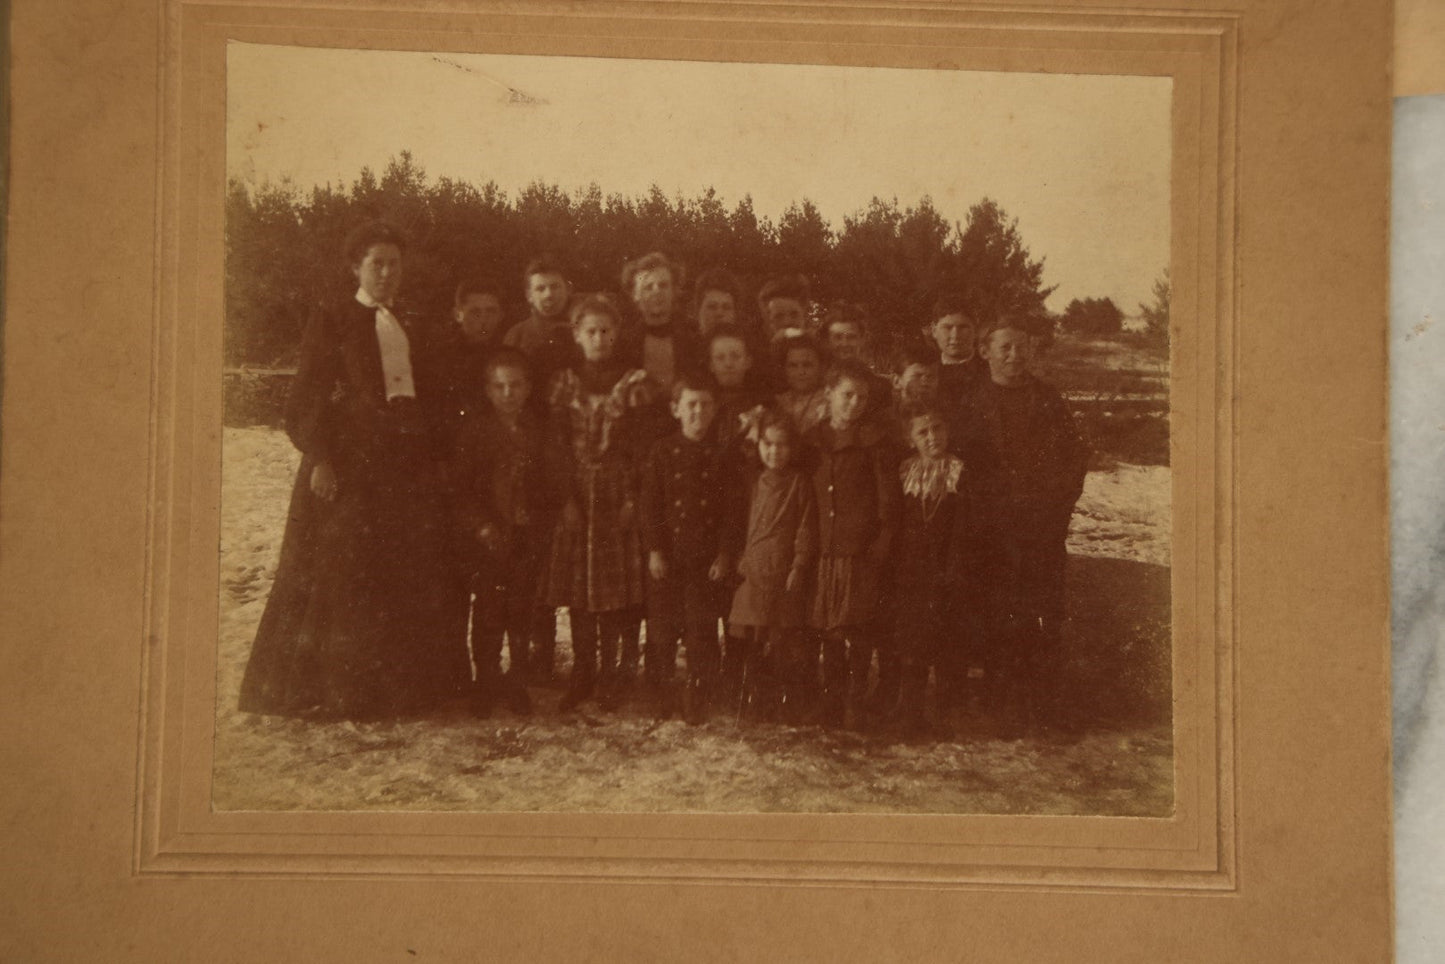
596, 563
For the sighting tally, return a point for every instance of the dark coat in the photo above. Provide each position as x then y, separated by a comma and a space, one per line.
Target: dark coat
957, 385
688, 495
549, 346
957, 382
506, 478
732, 404
855, 481
780, 537
461, 370
926, 606
688, 349
337, 409
1023, 450
1026, 465
366, 616
654, 421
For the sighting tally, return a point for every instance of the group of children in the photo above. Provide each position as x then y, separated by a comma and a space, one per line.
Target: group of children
757, 495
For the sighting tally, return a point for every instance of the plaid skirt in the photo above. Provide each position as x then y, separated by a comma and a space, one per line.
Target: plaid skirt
597, 566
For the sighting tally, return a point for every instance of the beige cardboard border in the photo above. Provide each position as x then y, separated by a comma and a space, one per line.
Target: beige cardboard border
89, 350
1419, 48
179, 831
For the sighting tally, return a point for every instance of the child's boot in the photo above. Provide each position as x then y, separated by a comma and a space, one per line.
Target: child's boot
578, 690
584, 662
611, 627
703, 669
629, 647
828, 710
731, 680
762, 692
609, 689
912, 716
854, 706
665, 700
514, 692
541, 666
885, 694
694, 700
480, 700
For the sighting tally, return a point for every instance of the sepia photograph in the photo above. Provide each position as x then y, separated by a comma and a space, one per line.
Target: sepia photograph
638, 436
643, 480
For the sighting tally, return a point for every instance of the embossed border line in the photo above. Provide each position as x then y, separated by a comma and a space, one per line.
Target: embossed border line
177, 832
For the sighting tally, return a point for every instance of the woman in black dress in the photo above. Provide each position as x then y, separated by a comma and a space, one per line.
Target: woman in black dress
367, 616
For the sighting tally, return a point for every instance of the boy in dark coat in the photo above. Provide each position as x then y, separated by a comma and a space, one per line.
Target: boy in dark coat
687, 495
545, 337
462, 354
1025, 469
508, 480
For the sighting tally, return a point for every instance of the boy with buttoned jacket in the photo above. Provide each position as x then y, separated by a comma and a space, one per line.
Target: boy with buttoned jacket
688, 498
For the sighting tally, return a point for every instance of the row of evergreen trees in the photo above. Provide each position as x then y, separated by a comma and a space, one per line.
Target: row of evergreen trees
283, 250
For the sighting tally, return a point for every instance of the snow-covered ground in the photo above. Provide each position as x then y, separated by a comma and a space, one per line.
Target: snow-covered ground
627, 762
1124, 514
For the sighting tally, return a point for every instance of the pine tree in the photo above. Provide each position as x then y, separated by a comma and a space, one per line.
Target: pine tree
1156, 315
284, 249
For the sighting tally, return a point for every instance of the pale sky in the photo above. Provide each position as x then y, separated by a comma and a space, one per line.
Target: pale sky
1081, 161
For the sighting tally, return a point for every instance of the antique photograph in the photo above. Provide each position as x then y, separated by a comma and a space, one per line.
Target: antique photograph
622, 435
714, 480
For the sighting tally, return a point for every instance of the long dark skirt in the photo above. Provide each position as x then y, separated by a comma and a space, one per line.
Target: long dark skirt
367, 615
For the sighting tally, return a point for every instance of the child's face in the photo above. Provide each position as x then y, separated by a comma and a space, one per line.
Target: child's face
774, 448
479, 316
378, 273
929, 435
694, 410
846, 401
507, 390
845, 340
652, 293
954, 335
1007, 352
781, 313
716, 308
596, 335
803, 369
547, 294
728, 360
918, 382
